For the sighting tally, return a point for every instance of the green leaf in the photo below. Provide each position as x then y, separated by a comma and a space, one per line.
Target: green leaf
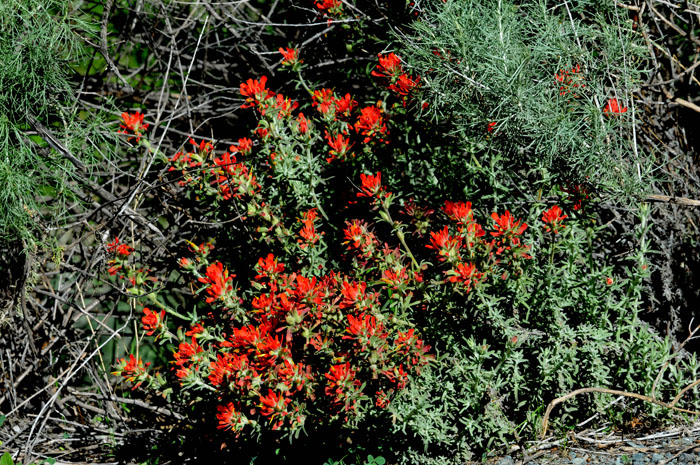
2, 419
6, 459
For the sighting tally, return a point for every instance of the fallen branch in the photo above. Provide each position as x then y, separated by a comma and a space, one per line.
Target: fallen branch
674, 199
559, 400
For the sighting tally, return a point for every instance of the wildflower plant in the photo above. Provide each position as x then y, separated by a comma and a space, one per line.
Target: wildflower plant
365, 272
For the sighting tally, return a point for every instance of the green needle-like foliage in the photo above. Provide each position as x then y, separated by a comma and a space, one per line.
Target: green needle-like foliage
37, 43
542, 73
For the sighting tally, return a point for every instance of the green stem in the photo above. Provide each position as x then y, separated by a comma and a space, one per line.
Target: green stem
155, 301
400, 235
303, 84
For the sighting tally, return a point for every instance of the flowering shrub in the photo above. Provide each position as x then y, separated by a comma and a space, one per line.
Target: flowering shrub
362, 286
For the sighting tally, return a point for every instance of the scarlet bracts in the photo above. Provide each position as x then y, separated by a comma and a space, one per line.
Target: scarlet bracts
399, 82
152, 321
613, 107
554, 219
290, 58
132, 123
218, 281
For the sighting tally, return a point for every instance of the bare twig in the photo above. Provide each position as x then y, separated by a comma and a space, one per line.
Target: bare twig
559, 400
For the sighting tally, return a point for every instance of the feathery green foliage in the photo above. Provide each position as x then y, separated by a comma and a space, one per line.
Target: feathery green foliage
37, 43
543, 72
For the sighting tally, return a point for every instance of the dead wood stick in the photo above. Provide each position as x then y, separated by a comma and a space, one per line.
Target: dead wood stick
99, 190
674, 199
559, 400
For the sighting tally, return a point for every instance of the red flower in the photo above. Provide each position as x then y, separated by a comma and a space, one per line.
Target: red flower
491, 126
370, 123
324, 100
395, 278
382, 399
285, 106
340, 146
354, 294
303, 123
344, 105
132, 123
404, 84
613, 106
273, 404
364, 326
152, 321
553, 219
308, 230
507, 225
371, 185
356, 233
256, 92
290, 56
465, 273
132, 370
219, 281
120, 249
459, 212
389, 66
186, 351
341, 383
446, 245
194, 330
332, 6
244, 146
203, 147
228, 416
269, 266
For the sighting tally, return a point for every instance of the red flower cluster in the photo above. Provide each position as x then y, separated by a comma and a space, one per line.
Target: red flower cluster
400, 82
554, 219
371, 123
132, 123
331, 7
448, 247
189, 162
255, 92
120, 249
570, 81
507, 232
332, 107
133, 370
219, 282
152, 321
340, 147
187, 357
121, 252
371, 186
360, 238
470, 256
290, 57
306, 345
308, 234
613, 107
234, 179
342, 385
244, 146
